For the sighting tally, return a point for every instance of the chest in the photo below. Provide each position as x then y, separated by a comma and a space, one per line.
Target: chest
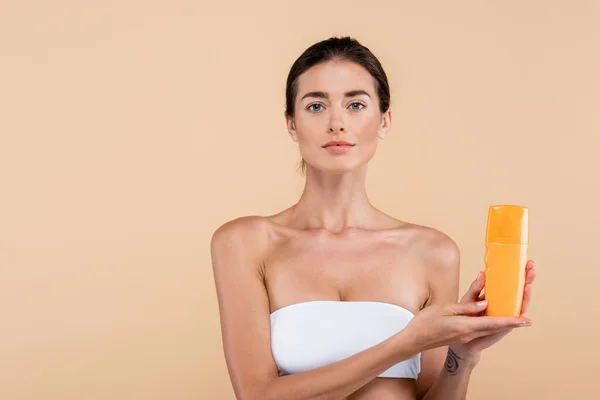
362, 267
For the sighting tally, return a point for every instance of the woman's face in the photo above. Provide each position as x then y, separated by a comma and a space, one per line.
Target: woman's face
337, 101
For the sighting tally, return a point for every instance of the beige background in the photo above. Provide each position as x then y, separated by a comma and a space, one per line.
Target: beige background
130, 130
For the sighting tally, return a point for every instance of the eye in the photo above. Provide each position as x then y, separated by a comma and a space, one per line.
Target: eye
357, 106
315, 107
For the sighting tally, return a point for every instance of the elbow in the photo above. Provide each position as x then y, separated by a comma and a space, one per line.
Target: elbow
275, 390
253, 394
247, 395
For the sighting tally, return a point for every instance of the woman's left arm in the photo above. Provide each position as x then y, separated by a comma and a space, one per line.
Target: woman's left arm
445, 371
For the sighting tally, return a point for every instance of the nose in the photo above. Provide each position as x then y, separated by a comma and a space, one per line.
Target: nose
336, 124
333, 129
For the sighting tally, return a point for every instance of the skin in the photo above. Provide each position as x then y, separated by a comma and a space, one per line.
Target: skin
333, 244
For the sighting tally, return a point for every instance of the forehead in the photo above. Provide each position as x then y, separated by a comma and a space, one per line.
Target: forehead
335, 77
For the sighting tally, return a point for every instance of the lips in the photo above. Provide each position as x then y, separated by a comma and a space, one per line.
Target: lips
337, 143
338, 146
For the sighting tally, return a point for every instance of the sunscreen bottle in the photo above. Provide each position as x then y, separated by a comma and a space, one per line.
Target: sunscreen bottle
506, 243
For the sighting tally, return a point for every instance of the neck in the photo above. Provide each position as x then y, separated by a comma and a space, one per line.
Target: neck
334, 202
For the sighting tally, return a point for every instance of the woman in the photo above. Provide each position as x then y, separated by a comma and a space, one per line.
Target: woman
332, 298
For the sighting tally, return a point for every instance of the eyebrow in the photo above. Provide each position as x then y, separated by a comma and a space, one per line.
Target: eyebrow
323, 95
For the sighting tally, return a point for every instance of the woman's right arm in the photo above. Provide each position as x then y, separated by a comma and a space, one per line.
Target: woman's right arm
237, 250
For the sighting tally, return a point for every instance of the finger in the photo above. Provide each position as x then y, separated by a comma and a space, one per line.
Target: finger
526, 298
468, 308
496, 324
530, 273
481, 297
529, 279
474, 290
502, 333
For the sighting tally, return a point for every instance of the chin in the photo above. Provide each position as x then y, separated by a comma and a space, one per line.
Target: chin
339, 167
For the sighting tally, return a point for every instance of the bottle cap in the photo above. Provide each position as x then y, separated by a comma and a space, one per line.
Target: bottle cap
508, 224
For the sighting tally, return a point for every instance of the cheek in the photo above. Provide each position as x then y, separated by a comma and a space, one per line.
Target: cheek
311, 129
369, 146
367, 134
366, 130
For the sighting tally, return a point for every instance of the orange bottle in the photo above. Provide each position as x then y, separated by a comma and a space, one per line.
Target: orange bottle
507, 240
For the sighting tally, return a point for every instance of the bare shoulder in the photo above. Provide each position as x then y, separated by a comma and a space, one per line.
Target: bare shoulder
440, 257
436, 248
241, 233
441, 249
245, 225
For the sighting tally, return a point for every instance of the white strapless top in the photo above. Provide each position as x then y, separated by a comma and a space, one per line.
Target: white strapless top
312, 334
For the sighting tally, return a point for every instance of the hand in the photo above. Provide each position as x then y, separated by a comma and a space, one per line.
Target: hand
473, 348
441, 325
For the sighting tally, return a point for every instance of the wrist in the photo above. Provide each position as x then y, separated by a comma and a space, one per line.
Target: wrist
406, 345
461, 352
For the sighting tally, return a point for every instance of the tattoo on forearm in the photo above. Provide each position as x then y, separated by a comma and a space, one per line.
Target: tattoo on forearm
452, 362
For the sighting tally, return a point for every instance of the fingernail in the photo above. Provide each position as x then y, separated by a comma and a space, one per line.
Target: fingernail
525, 324
478, 276
482, 303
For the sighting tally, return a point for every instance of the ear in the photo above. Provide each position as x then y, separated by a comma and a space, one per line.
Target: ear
291, 127
386, 124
